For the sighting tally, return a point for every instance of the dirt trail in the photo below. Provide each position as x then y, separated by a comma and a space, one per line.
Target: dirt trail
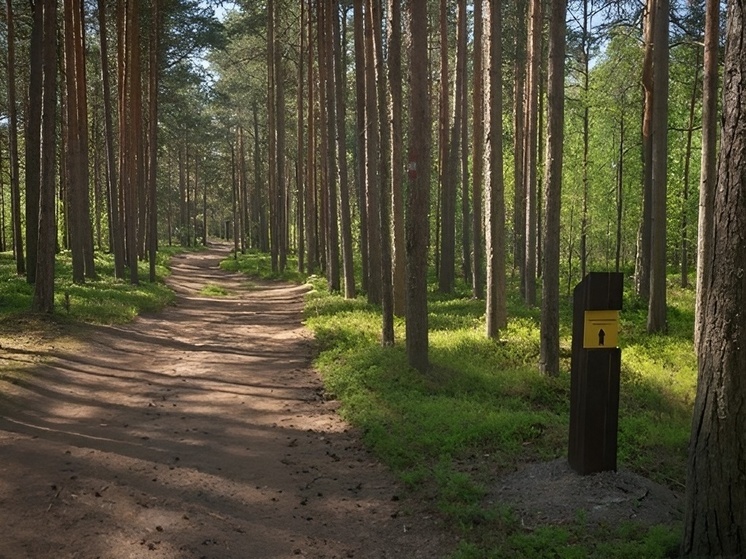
195, 432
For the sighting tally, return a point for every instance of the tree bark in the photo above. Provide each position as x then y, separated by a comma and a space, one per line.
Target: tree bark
478, 154
341, 135
496, 314
396, 105
43, 300
418, 195
112, 186
708, 166
531, 151
642, 266
373, 179
549, 351
657, 303
33, 139
153, 79
519, 144
361, 163
715, 520
15, 188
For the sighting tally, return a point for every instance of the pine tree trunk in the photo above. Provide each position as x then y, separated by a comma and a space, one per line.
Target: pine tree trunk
549, 351
373, 146
361, 163
33, 140
708, 166
155, 40
15, 188
657, 303
477, 222
396, 105
519, 145
531, 151
43, 300
496, 314
715, 519
340, 88
418, 195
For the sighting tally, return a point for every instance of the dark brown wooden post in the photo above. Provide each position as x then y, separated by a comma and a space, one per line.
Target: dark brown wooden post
594, 381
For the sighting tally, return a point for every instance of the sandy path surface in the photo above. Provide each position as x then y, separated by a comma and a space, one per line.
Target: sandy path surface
196, 432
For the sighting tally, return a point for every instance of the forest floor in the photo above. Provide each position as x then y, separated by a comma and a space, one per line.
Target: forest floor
199, 431
202, 431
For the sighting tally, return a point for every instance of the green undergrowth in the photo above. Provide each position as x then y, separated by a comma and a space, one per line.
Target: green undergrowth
484, 409
103, 300
259, 265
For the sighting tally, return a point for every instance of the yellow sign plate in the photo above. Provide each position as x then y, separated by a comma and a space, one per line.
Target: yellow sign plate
601, 329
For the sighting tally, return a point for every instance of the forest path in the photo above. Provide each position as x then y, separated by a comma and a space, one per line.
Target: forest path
195, 432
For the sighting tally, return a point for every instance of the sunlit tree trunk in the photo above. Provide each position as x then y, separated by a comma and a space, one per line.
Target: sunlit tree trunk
642, 265
153, 79
361, 164
657, 303
519, 144
15, 188
549, 350
341, 143
115, 225
478, 153
715, 516
33, 139
708, 167
373, 146
531, 152
396, 105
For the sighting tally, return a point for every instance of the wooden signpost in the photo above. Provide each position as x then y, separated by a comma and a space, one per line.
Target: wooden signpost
594, 380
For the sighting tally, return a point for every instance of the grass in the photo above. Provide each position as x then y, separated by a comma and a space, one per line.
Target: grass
484, 409
104, 300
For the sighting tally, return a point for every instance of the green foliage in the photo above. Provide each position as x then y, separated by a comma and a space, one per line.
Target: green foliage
259, 265
484, 409
104, 300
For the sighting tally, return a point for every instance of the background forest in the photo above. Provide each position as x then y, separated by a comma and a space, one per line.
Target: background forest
446, 167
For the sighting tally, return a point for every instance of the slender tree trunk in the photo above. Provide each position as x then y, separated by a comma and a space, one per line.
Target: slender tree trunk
326, 45
519, 145
418, 195
687, 174
549, 356
657, 303
15, 188
373, 179
642, 271
361, 163
155, 47
585, 47
448, 163
280, 175
462, 157
300, 168
33, 139
341, 136
531, 152
496, 313
310, 202
43, 299
478, 155
272, 136
708, 166
396, 105
619, 193
715, 518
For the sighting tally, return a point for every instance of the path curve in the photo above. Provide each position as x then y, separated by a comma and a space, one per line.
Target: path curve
196, 432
